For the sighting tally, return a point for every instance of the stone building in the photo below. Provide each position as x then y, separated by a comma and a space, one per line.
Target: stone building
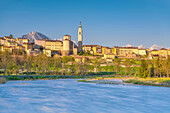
40, 42
54, 45
69, 48
154, 52
163, 52
124, 51
93, 49
106, 50
142, 52
2, 41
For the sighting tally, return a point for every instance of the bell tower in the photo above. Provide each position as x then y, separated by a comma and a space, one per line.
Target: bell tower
80, 38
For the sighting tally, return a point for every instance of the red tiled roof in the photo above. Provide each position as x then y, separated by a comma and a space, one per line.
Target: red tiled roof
28, 43
7, 47
129, 47
115, 46
142, 49
106, 47
2, 38
90, 45
154, 50
53, 40
9, 37
163, 49
66, 35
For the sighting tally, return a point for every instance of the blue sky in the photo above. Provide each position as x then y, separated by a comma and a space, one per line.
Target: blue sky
105, 22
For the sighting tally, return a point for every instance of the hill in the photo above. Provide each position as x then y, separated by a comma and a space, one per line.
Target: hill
32, 36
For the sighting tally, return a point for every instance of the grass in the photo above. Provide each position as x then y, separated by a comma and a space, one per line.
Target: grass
48, 77
165, 82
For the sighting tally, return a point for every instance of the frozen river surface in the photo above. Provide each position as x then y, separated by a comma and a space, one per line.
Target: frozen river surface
70, 96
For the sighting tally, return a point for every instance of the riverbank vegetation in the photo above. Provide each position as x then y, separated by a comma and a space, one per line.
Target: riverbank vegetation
2, 80
21, 64
165, 82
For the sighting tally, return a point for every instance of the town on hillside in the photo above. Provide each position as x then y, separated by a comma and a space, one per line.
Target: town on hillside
67, 47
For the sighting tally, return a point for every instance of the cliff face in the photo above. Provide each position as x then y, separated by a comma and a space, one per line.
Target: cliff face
32, 36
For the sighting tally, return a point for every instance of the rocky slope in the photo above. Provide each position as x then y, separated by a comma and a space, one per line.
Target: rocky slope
32, 36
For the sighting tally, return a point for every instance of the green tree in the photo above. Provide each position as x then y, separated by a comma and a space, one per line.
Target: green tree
157, 66
80, 53
116, 63
28, 63
127, 64
41, 48
5, 60
143, 69
10, 35
56, 64
150, 69
96, 64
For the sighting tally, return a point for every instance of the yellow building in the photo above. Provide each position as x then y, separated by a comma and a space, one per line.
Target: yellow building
155, 52
106, 50
142, 52
115, 50
87, 48
95, 49
10, 43
124, 51
6, 48
19, 41
163, 52
54, 45
109, 55
28, 47
2, 41
169, 51
9, 38
25, 40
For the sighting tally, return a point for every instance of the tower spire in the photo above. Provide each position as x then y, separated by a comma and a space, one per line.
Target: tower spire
80, 38
80, 24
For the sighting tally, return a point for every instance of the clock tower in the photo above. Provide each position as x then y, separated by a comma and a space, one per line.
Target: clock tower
80, 38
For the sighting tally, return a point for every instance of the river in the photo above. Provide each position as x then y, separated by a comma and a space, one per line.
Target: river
70, 96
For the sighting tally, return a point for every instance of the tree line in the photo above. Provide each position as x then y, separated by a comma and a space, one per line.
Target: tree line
42, 65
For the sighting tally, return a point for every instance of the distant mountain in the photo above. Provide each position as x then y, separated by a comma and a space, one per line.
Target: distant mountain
155, 47
128, 45
32, 36
141, 47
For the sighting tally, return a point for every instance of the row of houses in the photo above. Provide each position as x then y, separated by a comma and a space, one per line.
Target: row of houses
128, 52
67, 47
48, 47
10, 44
